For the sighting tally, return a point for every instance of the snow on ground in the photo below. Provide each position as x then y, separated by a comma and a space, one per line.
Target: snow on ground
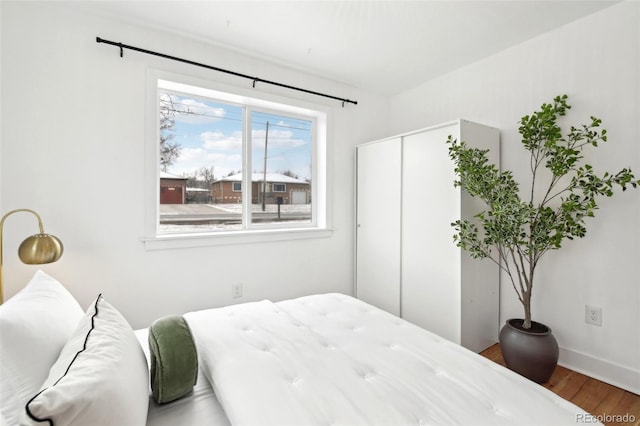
273, 208
177, 209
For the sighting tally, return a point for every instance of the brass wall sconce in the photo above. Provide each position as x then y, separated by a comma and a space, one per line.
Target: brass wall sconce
37, 249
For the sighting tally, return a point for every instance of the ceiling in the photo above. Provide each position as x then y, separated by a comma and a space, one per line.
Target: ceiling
382, 46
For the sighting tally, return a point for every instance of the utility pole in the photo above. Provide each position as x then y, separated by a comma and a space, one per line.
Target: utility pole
264, 179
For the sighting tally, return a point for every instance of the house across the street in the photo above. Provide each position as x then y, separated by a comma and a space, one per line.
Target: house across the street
290, 190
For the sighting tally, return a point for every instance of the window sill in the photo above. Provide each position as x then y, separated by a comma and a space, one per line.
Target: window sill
177, 241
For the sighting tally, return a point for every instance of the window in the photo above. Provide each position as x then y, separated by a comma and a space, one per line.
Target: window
236, 157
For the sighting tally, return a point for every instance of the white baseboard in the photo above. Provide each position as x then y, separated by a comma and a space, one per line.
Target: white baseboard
606, 371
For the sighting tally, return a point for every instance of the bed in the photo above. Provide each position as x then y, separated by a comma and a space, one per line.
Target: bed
314, 360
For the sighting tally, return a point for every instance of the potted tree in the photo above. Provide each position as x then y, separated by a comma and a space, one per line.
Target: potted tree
515, 232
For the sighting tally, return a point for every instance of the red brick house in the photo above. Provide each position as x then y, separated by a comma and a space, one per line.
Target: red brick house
291, 190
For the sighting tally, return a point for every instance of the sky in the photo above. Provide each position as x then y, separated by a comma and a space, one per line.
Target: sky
210, 134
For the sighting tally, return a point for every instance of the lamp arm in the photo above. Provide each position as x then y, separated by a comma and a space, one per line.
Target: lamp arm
17, 211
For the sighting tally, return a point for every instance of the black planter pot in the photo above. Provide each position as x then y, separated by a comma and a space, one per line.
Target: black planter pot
532, 353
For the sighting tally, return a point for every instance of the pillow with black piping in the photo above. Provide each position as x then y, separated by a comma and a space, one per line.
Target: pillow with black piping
174, 359
100, 378
35, 324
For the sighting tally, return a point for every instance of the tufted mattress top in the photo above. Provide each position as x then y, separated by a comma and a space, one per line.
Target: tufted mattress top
335, 360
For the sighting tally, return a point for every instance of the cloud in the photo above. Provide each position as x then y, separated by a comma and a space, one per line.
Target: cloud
191, 159
277, 139
224, 152
217, 140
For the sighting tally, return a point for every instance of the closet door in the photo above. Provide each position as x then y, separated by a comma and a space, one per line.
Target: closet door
378, 224
430, 259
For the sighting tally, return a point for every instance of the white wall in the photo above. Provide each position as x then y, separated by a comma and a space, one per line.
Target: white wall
73, 136
596, 61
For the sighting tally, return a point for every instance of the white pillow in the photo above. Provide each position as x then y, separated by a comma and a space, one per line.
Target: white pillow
34, 326
101, 377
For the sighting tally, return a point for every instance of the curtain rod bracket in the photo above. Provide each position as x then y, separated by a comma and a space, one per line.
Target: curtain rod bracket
122, 46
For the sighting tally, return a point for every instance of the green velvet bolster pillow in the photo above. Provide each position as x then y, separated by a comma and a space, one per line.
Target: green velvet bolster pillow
174, 360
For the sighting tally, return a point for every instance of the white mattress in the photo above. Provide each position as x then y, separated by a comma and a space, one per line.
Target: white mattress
332, 359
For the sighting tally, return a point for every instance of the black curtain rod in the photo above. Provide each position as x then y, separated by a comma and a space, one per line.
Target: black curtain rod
237, 74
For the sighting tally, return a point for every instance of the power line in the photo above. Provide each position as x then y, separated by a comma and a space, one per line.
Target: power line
188, 110
224, 117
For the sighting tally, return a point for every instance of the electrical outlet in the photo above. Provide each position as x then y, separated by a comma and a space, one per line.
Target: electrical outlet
236, 290
593, 315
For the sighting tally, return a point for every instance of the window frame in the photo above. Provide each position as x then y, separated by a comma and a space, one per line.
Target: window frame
320, 226
277, 185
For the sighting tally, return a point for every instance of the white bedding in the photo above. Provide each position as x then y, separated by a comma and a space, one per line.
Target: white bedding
332, 359
201, 408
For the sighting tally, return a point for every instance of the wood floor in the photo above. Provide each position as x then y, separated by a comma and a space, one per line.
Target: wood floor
609, 403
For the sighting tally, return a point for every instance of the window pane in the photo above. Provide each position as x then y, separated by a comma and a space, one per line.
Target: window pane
201, 164
235, 163
281, 163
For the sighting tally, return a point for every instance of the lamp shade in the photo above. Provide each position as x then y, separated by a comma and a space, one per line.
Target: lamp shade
39, 249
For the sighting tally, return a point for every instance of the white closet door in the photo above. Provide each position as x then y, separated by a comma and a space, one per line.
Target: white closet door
430, 259
378, 236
